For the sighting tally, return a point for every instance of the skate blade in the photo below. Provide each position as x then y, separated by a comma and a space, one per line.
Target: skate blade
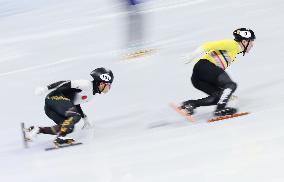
228, 116
62, 146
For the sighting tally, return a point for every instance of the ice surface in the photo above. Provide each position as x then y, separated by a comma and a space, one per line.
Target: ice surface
136, 136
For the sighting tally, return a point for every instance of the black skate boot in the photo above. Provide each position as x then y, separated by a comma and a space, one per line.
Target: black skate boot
188, 106
59, 141
225, 111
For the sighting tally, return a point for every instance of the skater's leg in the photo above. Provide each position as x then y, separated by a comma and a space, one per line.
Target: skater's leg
229, 88
33, 131
62, 111
57, 118
208, 88
53, 130
204, 78
54, 115
73, 117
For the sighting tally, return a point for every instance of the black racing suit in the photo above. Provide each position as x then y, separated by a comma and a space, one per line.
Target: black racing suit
60, 108
212, 80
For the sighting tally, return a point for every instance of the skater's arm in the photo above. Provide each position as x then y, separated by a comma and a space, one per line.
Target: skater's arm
44, 89
78, 84
195, 55
65, 83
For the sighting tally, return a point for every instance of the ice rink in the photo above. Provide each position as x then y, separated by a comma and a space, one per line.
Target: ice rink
136, 136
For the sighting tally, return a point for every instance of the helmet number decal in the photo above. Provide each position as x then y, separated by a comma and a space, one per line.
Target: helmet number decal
105, 77
245, 34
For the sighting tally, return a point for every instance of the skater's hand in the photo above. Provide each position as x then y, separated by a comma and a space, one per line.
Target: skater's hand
41, 90
87, 124
196, 55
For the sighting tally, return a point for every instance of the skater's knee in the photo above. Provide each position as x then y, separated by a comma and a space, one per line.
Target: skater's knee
74, 114
225, 81
231, 85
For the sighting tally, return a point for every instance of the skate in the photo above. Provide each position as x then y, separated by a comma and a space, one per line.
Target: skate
188, 106
225, 111
61, 141
31, 133
182, 111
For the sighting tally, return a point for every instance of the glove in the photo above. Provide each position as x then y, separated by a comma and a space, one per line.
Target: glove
87, 124
41, 90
